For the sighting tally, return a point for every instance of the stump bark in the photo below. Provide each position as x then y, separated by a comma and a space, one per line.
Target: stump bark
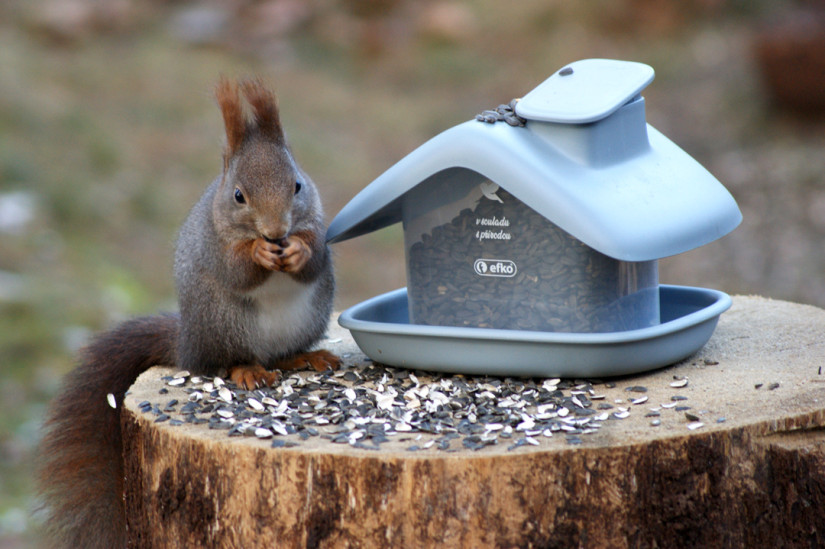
752, 476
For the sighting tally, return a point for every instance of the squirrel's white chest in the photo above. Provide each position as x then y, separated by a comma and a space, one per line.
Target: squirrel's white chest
284, 310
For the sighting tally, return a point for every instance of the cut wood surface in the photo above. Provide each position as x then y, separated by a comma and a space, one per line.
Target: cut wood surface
752, 475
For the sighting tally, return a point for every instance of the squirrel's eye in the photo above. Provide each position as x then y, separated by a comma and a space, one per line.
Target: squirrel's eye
297, 187
239, 197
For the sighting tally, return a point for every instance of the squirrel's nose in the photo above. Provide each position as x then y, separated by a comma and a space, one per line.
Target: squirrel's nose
274, 232
282, 242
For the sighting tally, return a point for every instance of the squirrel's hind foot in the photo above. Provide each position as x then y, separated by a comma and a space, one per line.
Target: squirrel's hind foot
252, 376
319, 360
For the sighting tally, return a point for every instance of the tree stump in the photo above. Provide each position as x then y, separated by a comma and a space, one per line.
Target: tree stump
752, 475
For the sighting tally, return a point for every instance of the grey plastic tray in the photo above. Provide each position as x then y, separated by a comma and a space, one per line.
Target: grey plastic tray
381, 328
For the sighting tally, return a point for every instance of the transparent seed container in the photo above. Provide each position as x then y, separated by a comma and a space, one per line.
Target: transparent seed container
479, 257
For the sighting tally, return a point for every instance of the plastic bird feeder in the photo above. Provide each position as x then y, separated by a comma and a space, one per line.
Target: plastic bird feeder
532, 243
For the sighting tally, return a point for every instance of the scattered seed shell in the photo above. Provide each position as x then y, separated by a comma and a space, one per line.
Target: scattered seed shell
366, 405
261, 432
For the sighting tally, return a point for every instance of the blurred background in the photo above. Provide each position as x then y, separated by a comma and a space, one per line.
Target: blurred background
109, 133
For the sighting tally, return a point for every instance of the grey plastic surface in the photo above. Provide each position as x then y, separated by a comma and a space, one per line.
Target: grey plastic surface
688, 318
616, 184
585, 91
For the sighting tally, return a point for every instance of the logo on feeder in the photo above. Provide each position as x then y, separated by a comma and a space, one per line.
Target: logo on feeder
495, 267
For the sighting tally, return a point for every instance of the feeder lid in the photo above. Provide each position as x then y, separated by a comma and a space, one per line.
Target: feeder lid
615, 183
585, 91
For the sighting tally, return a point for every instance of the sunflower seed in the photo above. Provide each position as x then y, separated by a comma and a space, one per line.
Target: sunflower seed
278, 443
261, 432
368, 405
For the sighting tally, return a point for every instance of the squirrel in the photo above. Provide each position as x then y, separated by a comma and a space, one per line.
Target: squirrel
255, 289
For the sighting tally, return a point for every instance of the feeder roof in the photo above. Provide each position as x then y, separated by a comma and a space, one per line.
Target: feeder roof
585, 91
595, 169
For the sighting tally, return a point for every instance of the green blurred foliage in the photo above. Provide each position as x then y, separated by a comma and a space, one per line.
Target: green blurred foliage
109, 131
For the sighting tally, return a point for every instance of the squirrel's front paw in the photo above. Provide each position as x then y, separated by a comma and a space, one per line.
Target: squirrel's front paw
267, 254
294, 255
288, 254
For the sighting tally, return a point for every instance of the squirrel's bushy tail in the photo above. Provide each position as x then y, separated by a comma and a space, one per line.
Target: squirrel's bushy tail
80, 466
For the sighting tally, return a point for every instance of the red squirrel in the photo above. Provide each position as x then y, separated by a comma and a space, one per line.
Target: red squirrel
255, 288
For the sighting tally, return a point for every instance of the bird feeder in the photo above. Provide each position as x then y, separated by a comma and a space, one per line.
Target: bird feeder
532, 237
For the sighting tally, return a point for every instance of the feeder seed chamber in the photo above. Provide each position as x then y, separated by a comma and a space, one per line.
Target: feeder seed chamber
532, 240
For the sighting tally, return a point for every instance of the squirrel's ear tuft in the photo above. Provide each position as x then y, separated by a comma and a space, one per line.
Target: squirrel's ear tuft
265, 109
229, 100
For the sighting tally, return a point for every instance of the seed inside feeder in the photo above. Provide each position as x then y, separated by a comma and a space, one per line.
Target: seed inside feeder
487, 260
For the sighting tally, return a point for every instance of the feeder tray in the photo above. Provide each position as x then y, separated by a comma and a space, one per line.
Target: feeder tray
688, 317
544, 234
